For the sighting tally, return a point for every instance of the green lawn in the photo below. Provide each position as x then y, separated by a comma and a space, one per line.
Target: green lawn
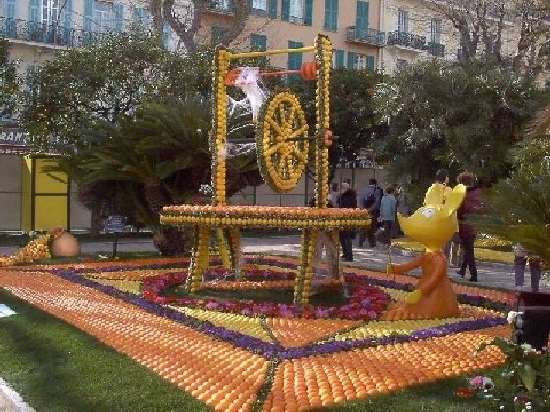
55, 367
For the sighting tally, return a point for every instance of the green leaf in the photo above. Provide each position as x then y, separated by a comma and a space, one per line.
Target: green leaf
528, 376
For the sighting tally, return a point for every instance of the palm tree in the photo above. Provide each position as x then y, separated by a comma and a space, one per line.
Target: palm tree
160, 157
518, 208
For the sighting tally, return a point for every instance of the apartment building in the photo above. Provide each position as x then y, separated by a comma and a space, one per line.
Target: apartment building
280, 24
366, 34
416, 31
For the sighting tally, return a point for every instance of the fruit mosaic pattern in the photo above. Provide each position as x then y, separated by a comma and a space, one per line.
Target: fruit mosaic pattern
249, 362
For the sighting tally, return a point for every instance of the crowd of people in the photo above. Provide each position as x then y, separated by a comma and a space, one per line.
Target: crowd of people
384, 204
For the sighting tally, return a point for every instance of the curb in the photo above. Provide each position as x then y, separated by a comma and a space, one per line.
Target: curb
11, 401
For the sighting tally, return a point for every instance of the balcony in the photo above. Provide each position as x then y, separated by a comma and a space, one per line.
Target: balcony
411, 41
366, 36
48, 35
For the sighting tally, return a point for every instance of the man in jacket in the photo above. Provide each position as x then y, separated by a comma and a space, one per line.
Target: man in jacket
371, 202
348, 199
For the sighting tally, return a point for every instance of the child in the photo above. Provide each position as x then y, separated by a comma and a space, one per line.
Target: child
520, 259
388, 210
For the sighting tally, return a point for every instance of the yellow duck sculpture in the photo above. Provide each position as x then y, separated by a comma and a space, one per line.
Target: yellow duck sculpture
433, 225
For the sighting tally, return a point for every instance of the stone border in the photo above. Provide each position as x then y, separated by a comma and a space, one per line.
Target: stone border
11, 401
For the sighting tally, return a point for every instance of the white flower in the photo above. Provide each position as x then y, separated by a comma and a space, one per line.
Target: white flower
527, 348
511, 317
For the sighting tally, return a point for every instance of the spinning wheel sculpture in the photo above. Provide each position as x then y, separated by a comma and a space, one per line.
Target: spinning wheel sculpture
282, 142
283, 148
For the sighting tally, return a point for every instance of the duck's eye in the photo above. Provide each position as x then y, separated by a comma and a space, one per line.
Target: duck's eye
428, 212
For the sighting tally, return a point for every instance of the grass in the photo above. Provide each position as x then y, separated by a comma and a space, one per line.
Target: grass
282, 296
485, 254
434, 397
55, 367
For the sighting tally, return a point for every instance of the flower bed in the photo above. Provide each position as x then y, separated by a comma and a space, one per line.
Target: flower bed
264, 362
365, 302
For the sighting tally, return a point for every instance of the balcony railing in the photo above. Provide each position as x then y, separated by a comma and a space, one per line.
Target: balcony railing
367, 36
410, 40
220, 6
52, 34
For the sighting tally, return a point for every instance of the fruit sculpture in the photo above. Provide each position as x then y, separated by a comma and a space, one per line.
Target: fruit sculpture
433, 225
285, 144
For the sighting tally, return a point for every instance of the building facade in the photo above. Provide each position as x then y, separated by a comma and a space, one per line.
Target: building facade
366, 34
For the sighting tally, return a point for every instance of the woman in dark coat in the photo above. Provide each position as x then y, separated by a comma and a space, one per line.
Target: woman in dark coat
348, 199
471, 204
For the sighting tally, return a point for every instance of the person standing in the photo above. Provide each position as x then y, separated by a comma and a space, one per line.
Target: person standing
388, 211
371, 202
470, 205
348, 200
521, 257
334, 195
439, 190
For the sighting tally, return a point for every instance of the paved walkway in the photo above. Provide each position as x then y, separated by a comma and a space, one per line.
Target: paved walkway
489, 274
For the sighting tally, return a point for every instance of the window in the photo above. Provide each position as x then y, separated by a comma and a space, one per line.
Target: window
362, 19
403, 21
103, 17
118, 11
166, 35
217, 34
34, 10
296, 10
258, 42
338, 59
294, 59
260, 5
401, 64
331, 15
435, 31
273, 9
370, 63
308, 12
50, 11
359, 61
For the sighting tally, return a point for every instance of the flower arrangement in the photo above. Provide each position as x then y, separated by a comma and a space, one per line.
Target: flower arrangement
523, 385
266, 216
36, 249
365, 302
281, 160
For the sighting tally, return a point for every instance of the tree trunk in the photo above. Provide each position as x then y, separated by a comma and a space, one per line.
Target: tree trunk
172, 242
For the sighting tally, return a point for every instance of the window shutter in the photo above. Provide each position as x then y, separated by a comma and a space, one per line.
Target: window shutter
352, 60
166, 35
370, 63
68, 15
295, 59
331, 15
362, 21
285, 9
338, 59
34, 10
88, 15
250, 5
403, 21
308, 12
118, 10
10, 9
273, 9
